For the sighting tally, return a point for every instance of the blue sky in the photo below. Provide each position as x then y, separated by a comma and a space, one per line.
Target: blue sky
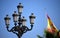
39, 7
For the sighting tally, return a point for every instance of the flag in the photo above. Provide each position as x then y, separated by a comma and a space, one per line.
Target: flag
51, 27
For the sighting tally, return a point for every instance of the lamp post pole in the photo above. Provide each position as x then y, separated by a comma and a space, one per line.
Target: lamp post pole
19, 22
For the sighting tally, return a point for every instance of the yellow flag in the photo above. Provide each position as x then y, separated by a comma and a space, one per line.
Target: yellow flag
51, 27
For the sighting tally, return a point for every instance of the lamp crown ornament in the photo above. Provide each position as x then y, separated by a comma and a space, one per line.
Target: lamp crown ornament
20, 5
19, 22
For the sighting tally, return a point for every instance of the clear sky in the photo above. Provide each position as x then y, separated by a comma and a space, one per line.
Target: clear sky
39, 7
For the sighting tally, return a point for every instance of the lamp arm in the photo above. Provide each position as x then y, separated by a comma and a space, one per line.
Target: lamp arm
8, 30
12, 30
27, 29
30, 28
15, 32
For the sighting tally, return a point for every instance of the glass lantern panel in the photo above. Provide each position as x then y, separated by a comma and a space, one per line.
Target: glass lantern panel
7, 22
24, 23
32, 20
19, 10
15, 19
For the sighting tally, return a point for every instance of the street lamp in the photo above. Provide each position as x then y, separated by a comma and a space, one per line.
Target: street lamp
19, 22
7, 20
23, 21
32, 17
15, 16
20, 7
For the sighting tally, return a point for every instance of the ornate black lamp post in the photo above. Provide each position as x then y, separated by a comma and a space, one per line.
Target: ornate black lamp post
20, 28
